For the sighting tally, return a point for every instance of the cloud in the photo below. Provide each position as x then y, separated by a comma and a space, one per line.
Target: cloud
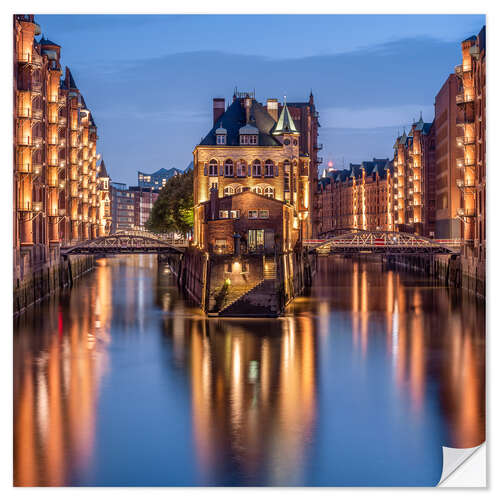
375, 117
150, 109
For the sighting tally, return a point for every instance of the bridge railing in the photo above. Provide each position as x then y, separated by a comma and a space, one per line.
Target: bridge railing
171, 240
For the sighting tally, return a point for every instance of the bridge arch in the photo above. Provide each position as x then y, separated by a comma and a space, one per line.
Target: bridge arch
123, 242
352, 241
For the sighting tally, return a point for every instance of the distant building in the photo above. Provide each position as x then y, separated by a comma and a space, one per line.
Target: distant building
130, 206
414, 179
144, 199
358, 197
157, 179
104, 199
122, 207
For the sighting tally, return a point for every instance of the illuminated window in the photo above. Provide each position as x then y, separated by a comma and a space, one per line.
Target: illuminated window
256, 169
269, 192
235, 214
253, 214
269, 168
213, 168
258, 190
263, 214
228, 191
223, 214
228, 168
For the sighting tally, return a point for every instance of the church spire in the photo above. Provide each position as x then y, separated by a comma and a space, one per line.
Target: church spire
285, 123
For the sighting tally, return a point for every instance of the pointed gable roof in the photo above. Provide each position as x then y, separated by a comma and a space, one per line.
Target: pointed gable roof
46, 41
102, 170
234, 119
285, 124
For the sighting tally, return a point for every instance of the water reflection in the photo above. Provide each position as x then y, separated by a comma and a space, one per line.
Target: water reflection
59, 360
122, 381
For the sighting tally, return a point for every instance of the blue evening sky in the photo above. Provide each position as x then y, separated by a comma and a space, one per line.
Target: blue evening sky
150, 80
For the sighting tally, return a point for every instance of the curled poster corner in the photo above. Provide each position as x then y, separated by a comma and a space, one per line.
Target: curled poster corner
464, 467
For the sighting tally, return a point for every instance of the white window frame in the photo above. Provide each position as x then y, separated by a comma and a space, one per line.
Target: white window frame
263, 214
251, 214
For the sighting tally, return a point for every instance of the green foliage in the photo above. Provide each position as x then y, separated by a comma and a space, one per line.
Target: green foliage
173, 210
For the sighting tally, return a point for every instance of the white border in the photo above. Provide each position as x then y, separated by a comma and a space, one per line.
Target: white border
253, 6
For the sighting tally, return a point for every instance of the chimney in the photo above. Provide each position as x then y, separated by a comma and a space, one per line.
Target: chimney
248, 105
214, 202
219, 108
272, 108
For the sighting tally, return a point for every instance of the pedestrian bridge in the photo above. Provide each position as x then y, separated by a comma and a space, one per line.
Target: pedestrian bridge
355, 241
127, 242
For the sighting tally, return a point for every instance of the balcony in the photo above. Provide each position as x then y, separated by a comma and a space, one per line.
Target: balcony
24, 206
24, 168
37, 206
37, 141
62, 120
23, 112
464, 120
466, 212
24, 141
319, 160
464, 98
461, 184
460, 70
37, 168
37, 114
318, 147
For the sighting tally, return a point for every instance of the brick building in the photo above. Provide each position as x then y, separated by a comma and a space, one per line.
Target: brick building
414, 179
449, 138
358, 197
256, 159
55, 188
471, 103
104, 196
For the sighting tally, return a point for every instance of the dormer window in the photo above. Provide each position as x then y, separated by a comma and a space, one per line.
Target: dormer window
248, 139
249, 135
221, 136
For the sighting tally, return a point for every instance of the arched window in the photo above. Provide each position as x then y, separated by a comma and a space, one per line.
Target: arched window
286, 168
228, 191
269, 192
238, 189
269, 168
257, 169
258, 190
212, 168
228, 168
241, 168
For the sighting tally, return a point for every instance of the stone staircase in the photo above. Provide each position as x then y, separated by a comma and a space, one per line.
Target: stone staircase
269, 268
260, 300
236, 292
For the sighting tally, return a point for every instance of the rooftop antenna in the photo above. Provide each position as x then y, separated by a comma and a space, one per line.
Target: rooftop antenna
420, 114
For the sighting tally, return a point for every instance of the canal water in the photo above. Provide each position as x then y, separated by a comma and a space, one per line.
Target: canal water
121, 381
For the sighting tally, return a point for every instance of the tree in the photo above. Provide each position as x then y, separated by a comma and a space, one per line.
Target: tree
173, 210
